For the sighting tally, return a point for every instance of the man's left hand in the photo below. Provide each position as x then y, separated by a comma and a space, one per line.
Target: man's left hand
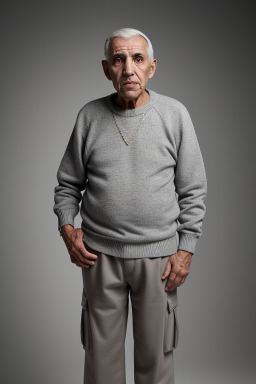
177, 268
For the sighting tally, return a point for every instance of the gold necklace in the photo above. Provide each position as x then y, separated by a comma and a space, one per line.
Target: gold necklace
128, 142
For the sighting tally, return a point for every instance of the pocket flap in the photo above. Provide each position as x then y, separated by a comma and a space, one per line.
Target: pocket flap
172, 300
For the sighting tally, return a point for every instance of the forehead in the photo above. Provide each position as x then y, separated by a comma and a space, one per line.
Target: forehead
128, 46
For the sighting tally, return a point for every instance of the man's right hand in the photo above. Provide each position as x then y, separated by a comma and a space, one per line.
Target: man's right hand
73, 238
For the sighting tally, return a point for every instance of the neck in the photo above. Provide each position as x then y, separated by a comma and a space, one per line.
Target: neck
133, 103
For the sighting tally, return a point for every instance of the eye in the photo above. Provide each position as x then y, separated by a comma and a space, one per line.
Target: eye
118, 60
138, 59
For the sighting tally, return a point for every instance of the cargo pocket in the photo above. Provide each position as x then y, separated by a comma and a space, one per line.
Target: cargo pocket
85, 328
171, 330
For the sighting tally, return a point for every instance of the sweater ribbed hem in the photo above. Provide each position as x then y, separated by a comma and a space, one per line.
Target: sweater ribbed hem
128, 250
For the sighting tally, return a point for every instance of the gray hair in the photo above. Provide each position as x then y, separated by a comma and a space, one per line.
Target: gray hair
127, 33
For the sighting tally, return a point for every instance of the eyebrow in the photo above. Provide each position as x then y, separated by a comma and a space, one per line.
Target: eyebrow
123, 55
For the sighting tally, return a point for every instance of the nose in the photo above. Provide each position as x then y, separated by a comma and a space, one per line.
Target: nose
128, 67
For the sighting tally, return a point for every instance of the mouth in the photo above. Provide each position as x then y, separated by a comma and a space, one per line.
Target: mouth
129, 83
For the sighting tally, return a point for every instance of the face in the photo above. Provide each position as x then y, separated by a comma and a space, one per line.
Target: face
129, 69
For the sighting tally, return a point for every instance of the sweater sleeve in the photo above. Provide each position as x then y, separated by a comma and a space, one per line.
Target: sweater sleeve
191, 185
71, 176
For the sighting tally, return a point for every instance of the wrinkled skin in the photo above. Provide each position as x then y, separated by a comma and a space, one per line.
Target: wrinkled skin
177, 269
129, 69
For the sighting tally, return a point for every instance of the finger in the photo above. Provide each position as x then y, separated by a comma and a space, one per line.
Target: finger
167, 270
86, 254
81, 261
82, 264
183, 280
87, 258
73, 259
170, 282
172, 286
176, 282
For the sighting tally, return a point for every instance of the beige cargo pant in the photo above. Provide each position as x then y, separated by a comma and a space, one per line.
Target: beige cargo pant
105, 302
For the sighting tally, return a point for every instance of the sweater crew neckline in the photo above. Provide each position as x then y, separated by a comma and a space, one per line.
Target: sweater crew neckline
119, 110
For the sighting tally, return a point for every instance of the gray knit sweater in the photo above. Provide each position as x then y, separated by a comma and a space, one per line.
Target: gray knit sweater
145, 199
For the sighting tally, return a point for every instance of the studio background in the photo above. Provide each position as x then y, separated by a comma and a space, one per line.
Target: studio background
51, 67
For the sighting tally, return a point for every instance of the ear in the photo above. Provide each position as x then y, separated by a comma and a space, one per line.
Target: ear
105, 69
152, 68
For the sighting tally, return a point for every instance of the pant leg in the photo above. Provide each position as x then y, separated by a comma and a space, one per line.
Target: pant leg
154, 321
104, 320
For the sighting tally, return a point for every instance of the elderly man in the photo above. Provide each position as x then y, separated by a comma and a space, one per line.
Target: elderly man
136, 156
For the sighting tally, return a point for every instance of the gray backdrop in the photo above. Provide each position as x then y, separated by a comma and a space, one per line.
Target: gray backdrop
51, 66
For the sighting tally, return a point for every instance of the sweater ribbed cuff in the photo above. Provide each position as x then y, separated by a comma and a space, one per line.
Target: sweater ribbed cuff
187, 242
66, 217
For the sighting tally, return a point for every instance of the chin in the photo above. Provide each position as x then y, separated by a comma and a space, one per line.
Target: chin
131, 93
